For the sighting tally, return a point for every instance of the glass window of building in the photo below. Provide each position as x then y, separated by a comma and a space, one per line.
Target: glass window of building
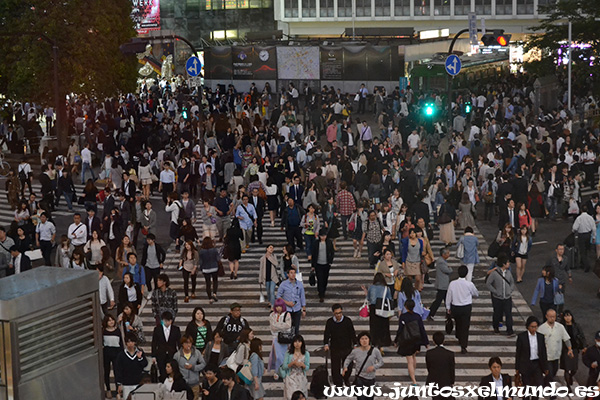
504, 7
422, 7
382, 8
441, 7
344, 8
291, 8
544, 3
525, 7
363, 8
326, 8
402, 7
483, 7
309, 8
462, 7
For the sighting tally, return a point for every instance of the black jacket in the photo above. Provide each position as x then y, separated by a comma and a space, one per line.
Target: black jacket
452, 159
340, 336
259, 206
284, 216
522, 355
123, 298
129, 191
231, 328
503, 217
592, 354
487, 381
25, 265
165, 347
128, 371
328, 250
440, 366
160, 253
237, 393
96, 226
192, 331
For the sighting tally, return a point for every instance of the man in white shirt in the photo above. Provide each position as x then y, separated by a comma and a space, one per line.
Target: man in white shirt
86, 163
77, 231
45, 233
106, 293
284, 132
413, 141
24, 174
459, 301
174, 207
584, 228
555, 335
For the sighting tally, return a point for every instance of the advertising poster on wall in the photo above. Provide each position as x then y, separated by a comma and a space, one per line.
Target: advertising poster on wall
218, 63
298, 62
242, 58
379, 63
332, 63
265, 63
145, 15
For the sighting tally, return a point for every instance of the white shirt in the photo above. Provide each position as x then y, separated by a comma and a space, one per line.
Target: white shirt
533, 346
284, 131
46, 230
167, 176
106, 292
167, 331
78, 233
413, 140
174, 210
131, 293
460, 293
86, 156
585, 224
499, 385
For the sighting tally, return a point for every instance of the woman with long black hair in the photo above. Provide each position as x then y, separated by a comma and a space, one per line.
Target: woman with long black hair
199, 329
188, 265
113, 344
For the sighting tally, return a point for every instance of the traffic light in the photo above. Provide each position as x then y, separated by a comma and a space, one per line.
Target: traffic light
429, 109
468, 107
184, 112
497, 38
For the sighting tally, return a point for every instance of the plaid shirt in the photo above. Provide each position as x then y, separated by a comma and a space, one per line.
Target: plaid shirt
164, 301
345, 203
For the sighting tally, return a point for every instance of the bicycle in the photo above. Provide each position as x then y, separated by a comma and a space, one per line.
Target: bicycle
4, 166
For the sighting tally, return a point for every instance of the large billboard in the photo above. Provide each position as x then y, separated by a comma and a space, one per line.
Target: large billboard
145, 15
298, 62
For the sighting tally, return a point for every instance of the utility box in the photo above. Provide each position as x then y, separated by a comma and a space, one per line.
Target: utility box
50, 335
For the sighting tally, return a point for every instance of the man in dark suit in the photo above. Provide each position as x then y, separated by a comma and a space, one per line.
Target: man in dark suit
19, 262
520, 187
420, 209
296, 191
259, 205
592, 203
322, 265
409, 185
165, 342
124, 210
451, 158
509, 214
387, 184
107, 205
531, 360
93, 223
501, 380
128, 187
440, 364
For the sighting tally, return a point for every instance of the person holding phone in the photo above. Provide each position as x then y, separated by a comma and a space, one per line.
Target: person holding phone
129, 366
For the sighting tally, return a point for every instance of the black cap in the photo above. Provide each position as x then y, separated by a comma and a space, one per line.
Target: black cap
323, 232
235, 305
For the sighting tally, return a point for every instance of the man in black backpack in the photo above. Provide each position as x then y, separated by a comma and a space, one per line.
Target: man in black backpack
231, 325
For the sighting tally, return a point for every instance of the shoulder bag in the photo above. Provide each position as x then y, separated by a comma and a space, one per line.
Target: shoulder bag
460, 250
384, 307
286, 337
363, 365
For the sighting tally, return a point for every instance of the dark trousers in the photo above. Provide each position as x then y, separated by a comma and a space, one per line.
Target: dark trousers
186, 282
294, 234
552, 370
337, 360
583, 243
167, 188
502, 307
296, 316
215, 284
362, 102
258, 230
362, 382
28, 183
439, 296
532, 375
151, 275
462, 317
488, 211
545, 307
46, 248
194, 185
136, 231
345, 219
372, 248
322, 272
110, 356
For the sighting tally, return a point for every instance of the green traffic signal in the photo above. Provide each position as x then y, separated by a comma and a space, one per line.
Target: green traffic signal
429, 109
468, 108
184, 113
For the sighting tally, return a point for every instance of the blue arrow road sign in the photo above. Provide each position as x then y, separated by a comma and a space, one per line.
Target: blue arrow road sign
193, 66
453, 64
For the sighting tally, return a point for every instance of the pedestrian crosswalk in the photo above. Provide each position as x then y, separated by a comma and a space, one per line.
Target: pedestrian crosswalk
347, 275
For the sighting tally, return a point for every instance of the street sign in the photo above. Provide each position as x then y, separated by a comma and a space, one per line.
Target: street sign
195, 81
193, 66
453, 65
473, 29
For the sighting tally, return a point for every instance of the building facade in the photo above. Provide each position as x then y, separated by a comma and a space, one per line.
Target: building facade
329, 18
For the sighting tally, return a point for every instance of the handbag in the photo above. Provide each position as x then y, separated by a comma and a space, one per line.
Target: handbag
449, 325
398, 283
261, 297
144, 231
231, 364
494, 249
364, 309
444, 219
312, 278
286, 337
559, 298
220, 270
460, 250
245, 373
518, 381
384, 307
351, 226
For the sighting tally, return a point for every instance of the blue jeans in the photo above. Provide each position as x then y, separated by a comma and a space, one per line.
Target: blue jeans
86, 167
270, 287
68, 199
309, 240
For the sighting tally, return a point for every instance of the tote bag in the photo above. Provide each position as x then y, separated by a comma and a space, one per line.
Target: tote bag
384, 307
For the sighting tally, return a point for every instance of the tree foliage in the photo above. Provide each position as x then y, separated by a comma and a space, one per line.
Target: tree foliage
585, 29
88, 34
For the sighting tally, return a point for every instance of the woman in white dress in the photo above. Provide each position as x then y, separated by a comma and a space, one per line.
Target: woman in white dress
279, 321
